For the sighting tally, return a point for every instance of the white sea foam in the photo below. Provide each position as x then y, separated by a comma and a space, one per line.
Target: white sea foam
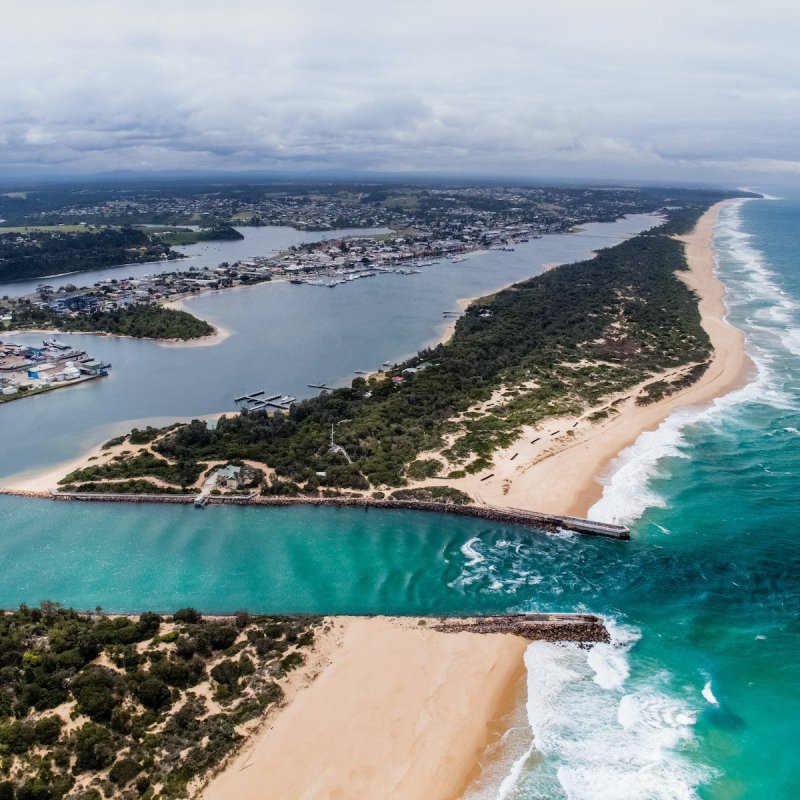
627, 489
600, 739
468, 549
627, 492
709, 695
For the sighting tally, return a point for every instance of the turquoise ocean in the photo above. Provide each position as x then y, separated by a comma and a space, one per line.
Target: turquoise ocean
698, 696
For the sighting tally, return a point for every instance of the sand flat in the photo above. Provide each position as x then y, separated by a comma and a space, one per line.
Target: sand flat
401, 711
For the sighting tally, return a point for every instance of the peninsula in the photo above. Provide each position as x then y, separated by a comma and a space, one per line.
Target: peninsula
556, 366
153, 705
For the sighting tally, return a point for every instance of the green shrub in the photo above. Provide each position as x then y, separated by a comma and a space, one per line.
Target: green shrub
292, 661
98, 691
189, 615
124, 771
93, 747
16, 737
153, 693
426, 468
48, 729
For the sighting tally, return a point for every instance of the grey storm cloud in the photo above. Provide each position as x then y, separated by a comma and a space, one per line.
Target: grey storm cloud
620, 88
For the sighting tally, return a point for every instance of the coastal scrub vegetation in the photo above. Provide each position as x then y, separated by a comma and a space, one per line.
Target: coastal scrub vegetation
142, 321
98, 706
559, 343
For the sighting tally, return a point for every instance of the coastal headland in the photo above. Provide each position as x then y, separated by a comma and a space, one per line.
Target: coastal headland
254, 706
534, 436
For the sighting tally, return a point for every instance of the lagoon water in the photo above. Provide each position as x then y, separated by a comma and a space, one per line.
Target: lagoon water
699, 696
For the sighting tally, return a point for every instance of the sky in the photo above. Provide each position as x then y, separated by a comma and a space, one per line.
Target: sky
705, 91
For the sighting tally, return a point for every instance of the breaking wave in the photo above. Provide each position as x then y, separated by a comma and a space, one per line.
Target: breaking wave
772, 330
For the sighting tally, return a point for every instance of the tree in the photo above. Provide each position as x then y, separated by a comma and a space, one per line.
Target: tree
190, 615
98, 691
93, 747
48, 729
153, 693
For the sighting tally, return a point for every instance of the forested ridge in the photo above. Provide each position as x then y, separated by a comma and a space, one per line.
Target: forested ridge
37, 253
556, 343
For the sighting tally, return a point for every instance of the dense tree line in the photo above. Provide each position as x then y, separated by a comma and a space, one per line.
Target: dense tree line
142, 321
37, 253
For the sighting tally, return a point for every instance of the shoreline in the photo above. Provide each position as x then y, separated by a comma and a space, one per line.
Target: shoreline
556, 475
397, 707
211, 339
39, 481
552, 474
398, 710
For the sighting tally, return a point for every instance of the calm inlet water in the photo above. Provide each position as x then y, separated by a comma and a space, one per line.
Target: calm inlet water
700, 695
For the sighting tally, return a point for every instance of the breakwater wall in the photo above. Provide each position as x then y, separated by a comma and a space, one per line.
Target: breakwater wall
582, 628
509, 516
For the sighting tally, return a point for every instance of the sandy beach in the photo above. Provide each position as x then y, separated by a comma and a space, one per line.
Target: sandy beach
400, 711
220, 335
40, 482
561, 472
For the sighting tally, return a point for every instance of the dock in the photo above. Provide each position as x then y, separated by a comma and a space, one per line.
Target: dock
255, 401
248, 397
322, 386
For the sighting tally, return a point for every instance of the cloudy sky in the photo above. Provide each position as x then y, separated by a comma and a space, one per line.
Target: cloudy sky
705, 90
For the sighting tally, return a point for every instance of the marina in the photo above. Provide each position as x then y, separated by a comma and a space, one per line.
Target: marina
30, 370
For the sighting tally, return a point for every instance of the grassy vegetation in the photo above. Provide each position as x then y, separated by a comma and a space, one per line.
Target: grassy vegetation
182, 473
556, 344
433, 494
182, 236
93, 706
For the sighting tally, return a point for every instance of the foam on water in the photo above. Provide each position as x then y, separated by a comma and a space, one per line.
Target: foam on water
709, 695
773, 320
468, 549
597, 736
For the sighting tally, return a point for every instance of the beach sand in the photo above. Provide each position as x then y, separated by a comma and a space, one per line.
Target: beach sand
400, 711
562, 472
39, 482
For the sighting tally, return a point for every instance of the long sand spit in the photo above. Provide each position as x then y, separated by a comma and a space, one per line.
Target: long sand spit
563, 476
399, 711
559, 474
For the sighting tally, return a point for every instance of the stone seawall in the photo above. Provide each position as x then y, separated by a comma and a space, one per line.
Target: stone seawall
583, 628
510, 516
